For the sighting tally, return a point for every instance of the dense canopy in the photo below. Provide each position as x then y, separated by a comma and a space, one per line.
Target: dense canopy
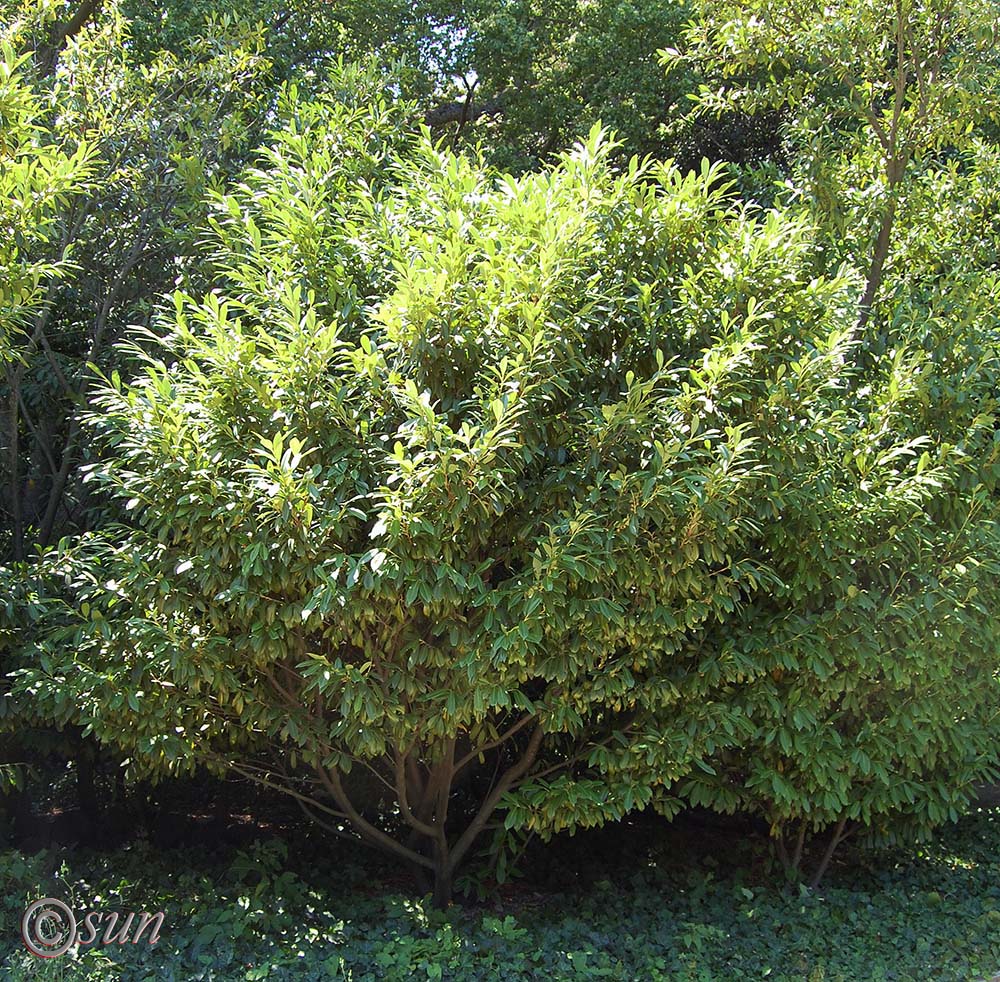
475, 417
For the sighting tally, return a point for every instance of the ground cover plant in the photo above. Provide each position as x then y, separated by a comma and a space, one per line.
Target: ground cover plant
684, 905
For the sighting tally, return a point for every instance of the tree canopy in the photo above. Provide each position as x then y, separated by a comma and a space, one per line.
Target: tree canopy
382, 428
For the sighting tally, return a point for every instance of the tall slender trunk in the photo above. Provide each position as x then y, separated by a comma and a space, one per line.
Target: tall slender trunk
59, 480
836, 838
47, 56
443, 875
426, 846
876, 268
443, 888
14, 469
86, 785
19, 806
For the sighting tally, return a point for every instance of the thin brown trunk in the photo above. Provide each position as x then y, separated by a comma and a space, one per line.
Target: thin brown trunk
13, 449
800, 841
876, 268
510, 777
86, 785
58, 486
84, 12
443, 887
426, 848
330, 778
782, 851
791, 862
46, 57
835, 840
428, 837
61, 477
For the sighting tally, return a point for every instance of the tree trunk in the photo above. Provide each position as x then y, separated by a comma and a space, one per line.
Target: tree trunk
441, 897
894, 171
800, 841
58, 489
835, 840
47, 56
19, 806
463, 112
877, 266
86, 787
422, 879
14, 470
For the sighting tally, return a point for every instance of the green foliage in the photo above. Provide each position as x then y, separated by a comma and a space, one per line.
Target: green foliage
104, 165
557, 68
857, 725
40, 185
37, 184
253, 916
571, 479
452, 501
876, 99
109, 163
437, 546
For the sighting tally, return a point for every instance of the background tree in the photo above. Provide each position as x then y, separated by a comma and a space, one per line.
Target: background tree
539, 76
437, 610
875, 96
90, 249
38, 184
444, 499
891, 113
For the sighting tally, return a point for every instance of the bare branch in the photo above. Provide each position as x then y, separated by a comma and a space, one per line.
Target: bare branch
463, 112
835, 840
331, 780
506, 782
404, 801
473, 754
257, 775
47, 56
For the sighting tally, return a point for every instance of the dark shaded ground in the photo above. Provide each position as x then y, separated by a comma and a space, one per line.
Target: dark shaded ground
250, 890
204, 813
988, 796
225, 816
698, 898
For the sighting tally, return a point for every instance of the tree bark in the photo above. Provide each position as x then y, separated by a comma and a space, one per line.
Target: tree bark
462, 112
835, 840
86, 785
511, 777
799, 843
14, 475
443, 887
47, 57
22, 812
876, 268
